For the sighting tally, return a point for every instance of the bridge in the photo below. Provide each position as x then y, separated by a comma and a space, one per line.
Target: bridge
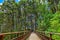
29, 20
28, 35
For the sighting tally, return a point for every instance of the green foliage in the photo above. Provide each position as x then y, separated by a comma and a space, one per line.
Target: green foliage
55, 25
55, 22
17, 14
1, 17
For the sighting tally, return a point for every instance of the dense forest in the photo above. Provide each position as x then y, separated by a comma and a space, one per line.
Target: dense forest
23, 15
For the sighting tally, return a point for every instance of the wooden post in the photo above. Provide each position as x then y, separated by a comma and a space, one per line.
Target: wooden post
1, 37
50, 36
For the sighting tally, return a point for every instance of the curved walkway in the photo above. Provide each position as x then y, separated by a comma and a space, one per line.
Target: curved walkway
33, 36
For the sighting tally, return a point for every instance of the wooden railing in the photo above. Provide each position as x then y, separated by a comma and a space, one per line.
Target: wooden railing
43, 33
3, 35
24, 37
25, 34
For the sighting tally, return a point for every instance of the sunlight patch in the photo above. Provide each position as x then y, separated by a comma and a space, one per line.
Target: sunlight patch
0, 3
18, 0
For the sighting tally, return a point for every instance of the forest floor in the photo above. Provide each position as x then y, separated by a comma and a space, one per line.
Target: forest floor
33, 36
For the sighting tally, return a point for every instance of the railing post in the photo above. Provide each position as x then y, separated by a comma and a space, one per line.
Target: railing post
1, 37
50, 36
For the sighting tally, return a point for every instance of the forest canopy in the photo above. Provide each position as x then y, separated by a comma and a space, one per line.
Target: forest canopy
23, 15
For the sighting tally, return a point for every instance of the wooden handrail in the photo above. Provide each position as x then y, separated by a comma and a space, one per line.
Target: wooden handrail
2, 35
43, 37
55, 33
12, 33
50, 33
23, 37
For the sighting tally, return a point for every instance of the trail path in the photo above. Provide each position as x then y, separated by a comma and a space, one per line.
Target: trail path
33, 36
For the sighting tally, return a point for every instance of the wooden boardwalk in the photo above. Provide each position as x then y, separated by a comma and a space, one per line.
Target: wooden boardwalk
27, 36
33, 36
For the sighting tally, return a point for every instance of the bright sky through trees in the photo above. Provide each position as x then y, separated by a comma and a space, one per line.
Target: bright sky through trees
1, 1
